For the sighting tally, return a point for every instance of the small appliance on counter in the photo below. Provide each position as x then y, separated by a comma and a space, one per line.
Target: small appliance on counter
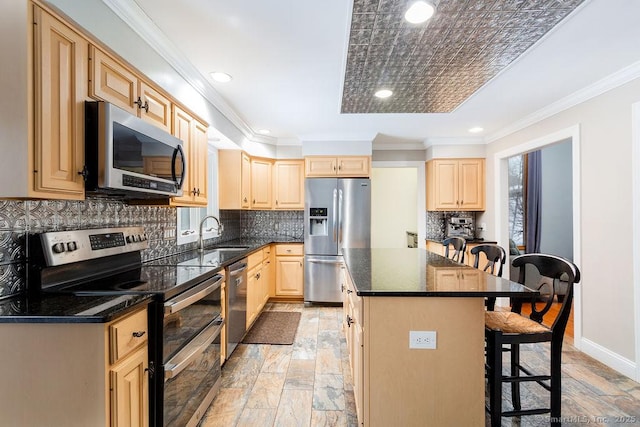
461, 227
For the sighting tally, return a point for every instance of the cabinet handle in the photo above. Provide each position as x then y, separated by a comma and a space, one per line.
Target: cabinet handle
342, 287
340, 167
276, 202
334, 168
254, 201
245, 200
138, 334
84, 172
257, 276
300, 263
462, 202
349, 321
141, 106
198, 192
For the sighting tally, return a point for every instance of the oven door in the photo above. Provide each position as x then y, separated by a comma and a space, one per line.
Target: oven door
191, 378
189, 313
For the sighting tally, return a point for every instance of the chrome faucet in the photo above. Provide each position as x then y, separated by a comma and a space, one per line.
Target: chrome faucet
219, 229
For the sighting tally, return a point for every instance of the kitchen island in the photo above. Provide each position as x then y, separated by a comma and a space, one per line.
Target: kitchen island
414, 322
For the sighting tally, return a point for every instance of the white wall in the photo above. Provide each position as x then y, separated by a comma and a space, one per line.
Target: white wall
556, 236
394, 192
608, 331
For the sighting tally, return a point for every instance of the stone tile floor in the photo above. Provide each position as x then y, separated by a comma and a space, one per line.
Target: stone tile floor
309, 384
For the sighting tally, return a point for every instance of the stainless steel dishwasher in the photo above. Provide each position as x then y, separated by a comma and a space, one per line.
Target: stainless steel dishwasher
237, 304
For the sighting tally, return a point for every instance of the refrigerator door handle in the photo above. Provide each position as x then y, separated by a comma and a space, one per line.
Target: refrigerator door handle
322, 261
339, 220
335, 213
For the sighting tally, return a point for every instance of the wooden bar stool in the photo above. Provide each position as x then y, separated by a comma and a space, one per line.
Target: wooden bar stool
459, 245
505, 331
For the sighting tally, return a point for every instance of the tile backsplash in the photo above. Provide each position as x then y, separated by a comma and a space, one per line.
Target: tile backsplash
20, 218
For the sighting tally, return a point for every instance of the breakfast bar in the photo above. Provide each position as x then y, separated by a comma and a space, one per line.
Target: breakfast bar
414, 323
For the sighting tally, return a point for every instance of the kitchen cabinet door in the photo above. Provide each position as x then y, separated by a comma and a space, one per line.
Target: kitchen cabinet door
194, 137
60, 72
353, 166
234, 179
289, 276
113, 82
155, 108
261, 183
129, 391
471, 184
289, 184
320, 166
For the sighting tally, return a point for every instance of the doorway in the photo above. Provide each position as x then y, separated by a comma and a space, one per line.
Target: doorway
501, 191
397, 203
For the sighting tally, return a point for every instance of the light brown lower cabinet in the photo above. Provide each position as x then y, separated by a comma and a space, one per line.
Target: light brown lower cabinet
289, 271
258, 277
394, 384
76, 374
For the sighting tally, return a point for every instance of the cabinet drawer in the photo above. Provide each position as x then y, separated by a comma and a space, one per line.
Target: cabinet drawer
293, 249
127, 334
254, 259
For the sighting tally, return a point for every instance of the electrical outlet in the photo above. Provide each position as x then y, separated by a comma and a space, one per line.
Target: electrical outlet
422, 340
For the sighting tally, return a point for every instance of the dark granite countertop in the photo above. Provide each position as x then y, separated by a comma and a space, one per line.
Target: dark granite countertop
212, 257
418, 272
56, 308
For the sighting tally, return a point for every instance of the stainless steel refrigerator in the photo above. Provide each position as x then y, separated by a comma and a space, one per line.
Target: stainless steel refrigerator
337, 214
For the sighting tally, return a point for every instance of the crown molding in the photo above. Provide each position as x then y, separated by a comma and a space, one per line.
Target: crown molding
430, 142
612, 81
139, 22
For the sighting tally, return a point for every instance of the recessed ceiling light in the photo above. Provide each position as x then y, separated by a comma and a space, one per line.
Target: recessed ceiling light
419, 12
476, 129
264, 131
221, 77
383, 93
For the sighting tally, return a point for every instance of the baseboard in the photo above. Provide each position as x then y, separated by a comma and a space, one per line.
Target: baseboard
609, 358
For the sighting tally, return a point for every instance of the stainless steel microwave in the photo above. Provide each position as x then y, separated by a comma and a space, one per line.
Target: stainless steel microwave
128, 157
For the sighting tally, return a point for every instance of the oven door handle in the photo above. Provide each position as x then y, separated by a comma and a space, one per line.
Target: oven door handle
192, 350
192, 295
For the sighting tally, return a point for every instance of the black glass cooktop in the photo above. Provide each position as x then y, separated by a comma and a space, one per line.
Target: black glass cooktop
164, 281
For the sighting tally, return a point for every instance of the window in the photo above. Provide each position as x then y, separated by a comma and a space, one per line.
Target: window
189, 218
516, 199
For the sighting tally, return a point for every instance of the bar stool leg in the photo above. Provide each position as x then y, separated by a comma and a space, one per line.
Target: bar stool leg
556, 383
494, 358
515, 371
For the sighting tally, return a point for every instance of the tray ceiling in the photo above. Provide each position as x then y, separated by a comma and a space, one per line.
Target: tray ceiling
434, 67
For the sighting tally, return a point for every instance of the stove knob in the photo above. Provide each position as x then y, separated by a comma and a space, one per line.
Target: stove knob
72, 246
129, 239
58, 248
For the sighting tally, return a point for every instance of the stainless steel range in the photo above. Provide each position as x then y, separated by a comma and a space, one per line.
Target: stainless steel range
184, 317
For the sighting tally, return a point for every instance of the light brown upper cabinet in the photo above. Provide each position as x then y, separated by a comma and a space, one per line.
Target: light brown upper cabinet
261, 183
455, 185
194, 137
113, 82
234, 178
288, 184
345, 166
60, 73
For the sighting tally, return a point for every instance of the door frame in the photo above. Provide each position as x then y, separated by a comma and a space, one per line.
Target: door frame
501, 201
635, 178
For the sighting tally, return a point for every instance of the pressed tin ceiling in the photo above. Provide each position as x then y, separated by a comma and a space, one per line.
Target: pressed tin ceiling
435, 66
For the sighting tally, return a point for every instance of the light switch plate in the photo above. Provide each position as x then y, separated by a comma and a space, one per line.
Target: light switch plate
425, 340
